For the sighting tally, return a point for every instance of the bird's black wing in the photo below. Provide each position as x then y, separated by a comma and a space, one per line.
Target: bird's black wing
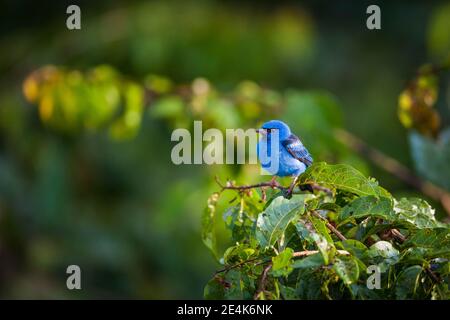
296, 148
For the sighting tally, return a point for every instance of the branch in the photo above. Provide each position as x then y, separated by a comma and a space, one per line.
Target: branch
270, 184
395, 168
329, 226
321, 188
311, 252
262, 282
433, 275
237, 265
230, 186
398, 235
391, 234
295, 255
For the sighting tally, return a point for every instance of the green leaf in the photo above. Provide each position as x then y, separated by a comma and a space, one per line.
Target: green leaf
326, 247
416, 212
321, 228
408, 283
347, 269
214, 290
329, 206
312, 261
238, 253
227, 286
412, 212
273, 221
240, 224
309, 284
380, 207
288, 293
383, 254
355, 247
282, 263
342, 177
208, 230
129, 122
167, 107
440, 292
415, 255
364, 293
426, 244
432, 158
321, 241
430, 238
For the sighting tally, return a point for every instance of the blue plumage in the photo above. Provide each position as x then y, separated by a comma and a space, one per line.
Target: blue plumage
293, 157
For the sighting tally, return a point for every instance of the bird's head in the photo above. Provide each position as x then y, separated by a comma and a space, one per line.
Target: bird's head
283, 130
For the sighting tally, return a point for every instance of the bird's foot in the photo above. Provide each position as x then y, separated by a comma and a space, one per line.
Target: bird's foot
290, 190
287, 193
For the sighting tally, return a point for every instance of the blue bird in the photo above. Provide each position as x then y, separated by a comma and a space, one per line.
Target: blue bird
293, 157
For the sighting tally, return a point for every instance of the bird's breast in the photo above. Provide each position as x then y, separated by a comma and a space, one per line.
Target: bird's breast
280, 163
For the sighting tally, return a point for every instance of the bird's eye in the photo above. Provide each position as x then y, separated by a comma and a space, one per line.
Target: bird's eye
268, 130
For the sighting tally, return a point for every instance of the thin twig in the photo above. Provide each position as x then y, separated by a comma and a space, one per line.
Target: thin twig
230, 186
237, 265
398, 235
329, 226
270, 184
311, 252
395, 168
321, 188
262, 282
433, 275
391, 234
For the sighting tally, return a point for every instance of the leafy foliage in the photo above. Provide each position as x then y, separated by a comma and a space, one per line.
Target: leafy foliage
319, 245
421, 110
342, 177
69, 100
416, 104
273, 221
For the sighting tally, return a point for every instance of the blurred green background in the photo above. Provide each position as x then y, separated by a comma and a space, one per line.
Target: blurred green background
119, 208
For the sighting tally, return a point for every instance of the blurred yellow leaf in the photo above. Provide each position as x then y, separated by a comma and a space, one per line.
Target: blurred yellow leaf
46, 107
70, 100
31, 89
